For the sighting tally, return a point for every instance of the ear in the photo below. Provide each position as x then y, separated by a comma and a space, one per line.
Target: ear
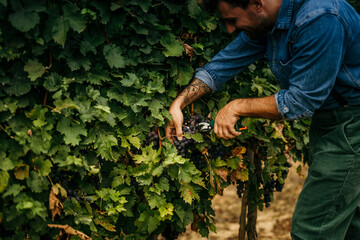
258, 4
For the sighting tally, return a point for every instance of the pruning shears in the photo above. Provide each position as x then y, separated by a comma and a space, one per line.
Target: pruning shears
205, 127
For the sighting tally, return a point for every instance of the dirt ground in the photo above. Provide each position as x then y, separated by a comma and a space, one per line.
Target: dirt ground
273, 223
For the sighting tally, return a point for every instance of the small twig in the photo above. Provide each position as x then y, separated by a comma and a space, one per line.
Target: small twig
106, 36
50, 59
45, 98
50, 179
158, 130
2, 128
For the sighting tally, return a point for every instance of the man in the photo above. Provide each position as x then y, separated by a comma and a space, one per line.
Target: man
313, 48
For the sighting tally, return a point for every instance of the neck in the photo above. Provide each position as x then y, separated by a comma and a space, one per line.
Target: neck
272, 8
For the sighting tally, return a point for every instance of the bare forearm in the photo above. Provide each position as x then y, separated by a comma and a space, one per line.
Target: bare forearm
192, 92
264, 107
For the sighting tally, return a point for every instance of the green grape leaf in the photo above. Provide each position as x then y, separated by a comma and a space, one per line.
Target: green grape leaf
104, 144
86, 47
113, 56
182, 73
187, 172
60, 105
160, 187
43, 166
144, 4
38, 144
59, 30
4, 180
197, 137
130, 80
73, 16
155, 200
188, 193
76, 63
149, 155
149, 221
18, 86
38, 114
34, 69
24, 20
34, 182
173, 47
53, 82
173, 158
5, 163
71, 131
130, 140
13, 190
155, 106
184, 211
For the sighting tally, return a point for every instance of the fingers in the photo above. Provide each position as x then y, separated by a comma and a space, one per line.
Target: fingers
176, 124
178, 128
225, 125
225, 132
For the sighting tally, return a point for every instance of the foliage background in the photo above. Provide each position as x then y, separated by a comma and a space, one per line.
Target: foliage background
82, 84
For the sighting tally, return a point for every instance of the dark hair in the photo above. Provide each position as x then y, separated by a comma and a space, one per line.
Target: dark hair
211, 5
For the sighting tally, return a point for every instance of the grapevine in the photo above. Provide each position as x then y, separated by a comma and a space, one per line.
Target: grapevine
84, 98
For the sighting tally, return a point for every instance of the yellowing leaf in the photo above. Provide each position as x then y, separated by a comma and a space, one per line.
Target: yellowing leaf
22, 172
105, 224
223, 173
166, 211
55, 205
34, 69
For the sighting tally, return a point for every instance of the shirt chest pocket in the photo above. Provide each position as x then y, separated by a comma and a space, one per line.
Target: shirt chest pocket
285, 63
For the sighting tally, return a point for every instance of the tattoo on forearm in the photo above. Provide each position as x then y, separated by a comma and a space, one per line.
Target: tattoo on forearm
194, 90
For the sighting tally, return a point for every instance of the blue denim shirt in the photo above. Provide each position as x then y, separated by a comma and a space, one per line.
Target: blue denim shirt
313, 46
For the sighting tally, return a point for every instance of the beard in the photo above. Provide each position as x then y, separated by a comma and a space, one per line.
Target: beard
260, 30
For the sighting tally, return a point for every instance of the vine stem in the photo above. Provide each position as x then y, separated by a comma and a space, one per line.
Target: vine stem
252, 208
158, 130
52, 184
242, 222
2, 128
45, 98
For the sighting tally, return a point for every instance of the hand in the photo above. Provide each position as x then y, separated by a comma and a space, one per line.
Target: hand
176, 123
225, 121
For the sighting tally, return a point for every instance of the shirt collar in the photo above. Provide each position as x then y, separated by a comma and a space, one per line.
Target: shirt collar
285, 15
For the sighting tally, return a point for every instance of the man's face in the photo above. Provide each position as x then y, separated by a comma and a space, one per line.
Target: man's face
250, 20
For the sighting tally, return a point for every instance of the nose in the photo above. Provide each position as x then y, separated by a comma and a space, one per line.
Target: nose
230, 28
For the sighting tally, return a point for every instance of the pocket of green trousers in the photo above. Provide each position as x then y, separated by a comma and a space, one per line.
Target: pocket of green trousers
351, 132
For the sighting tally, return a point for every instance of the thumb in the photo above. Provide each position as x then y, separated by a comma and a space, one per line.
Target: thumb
178, 128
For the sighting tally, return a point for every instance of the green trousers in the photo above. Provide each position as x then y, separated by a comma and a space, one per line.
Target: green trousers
328, 207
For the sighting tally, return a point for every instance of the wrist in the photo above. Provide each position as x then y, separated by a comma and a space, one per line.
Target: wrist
237, 106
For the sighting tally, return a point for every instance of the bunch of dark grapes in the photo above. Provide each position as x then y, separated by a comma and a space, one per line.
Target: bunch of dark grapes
153, 138
198, 159
278, 186
195, 120
240, 188
267, 199
217, 151
268, 190
73, 193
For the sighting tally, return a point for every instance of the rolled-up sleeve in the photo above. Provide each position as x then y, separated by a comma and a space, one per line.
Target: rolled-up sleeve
230, 61
319, 48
